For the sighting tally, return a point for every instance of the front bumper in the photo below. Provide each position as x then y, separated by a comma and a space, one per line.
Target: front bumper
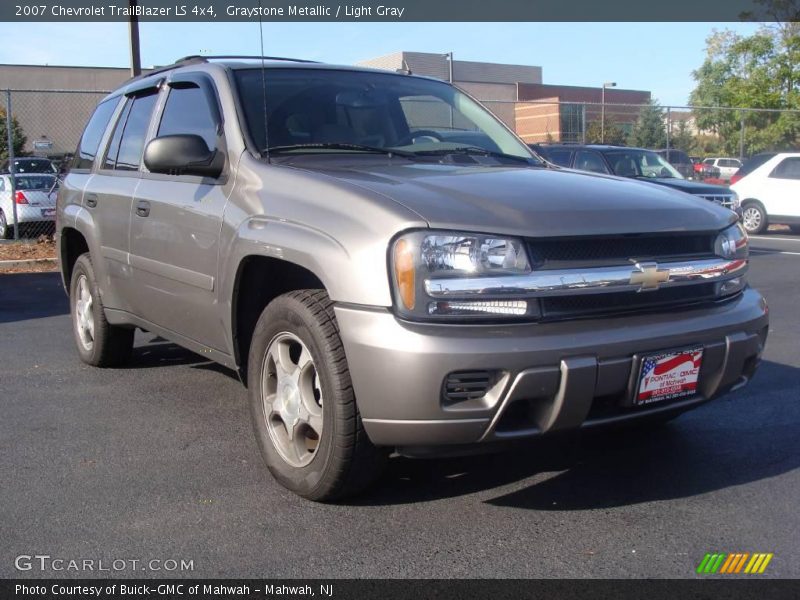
551, 376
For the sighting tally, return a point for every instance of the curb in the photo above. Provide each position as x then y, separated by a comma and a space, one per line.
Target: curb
15, 264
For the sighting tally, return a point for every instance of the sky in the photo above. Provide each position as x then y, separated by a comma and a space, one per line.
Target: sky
658, 57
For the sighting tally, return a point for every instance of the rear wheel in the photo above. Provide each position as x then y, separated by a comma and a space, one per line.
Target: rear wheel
99, 343
6, 232
304, 411
754, 218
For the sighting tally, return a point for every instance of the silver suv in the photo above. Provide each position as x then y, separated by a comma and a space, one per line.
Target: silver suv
389, 267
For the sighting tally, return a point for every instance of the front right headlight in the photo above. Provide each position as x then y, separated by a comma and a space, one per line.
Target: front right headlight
420, 258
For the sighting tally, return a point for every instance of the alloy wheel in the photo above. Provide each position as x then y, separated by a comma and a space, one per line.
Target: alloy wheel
84, 317
292, 399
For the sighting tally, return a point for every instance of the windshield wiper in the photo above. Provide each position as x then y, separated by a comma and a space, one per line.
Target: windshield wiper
339, 146
476, 150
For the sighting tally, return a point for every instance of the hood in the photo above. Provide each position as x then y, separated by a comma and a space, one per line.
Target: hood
534, 202
690, 187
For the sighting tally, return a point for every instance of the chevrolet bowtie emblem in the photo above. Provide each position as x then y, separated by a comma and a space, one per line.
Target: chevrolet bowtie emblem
648, 276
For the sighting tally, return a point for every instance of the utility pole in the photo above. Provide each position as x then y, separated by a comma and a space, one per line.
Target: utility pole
607, 84
133, 33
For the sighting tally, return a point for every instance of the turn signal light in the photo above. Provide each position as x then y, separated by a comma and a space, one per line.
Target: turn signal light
404, 273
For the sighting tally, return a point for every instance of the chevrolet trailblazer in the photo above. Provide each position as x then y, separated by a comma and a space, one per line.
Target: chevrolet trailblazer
389, 268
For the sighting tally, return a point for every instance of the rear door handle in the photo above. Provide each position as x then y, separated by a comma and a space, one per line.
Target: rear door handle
91, 200
142, 208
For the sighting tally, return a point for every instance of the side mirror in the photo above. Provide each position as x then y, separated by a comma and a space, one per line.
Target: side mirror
185, 154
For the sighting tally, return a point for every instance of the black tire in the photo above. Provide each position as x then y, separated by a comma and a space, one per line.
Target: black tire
6, 232
344, 461
110, 345
759, 221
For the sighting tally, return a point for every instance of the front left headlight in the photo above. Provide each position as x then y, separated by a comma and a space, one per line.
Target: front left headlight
418, 258
732, 243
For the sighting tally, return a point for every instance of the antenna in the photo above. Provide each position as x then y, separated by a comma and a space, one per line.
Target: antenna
263, 81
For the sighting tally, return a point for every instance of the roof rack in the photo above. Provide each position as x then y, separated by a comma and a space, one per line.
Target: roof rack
204, 58
194, 59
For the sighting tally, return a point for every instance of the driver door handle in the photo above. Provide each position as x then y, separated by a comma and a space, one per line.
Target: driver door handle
142, 208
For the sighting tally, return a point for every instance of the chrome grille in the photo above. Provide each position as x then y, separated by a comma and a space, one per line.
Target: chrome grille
725, 200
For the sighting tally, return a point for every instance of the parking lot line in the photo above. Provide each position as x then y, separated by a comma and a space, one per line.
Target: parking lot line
762, 251
769, 238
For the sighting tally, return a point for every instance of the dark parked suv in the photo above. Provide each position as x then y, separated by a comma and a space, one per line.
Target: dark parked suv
381, 286
635, 163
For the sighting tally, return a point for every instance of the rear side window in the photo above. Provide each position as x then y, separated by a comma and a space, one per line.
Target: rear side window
590, 161
90, 140
187, 111
789, 168
125, 153
559, 157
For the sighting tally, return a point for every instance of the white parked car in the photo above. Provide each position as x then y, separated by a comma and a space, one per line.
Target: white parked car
771, 194
727, 166
35, 201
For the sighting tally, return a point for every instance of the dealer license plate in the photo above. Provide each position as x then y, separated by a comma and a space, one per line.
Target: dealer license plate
668, 376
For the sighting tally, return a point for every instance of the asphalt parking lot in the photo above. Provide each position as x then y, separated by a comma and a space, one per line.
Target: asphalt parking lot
157, 461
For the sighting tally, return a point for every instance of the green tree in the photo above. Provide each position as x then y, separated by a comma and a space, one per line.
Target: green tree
649, 130
18, 138
614, 134
682, 137
757, 71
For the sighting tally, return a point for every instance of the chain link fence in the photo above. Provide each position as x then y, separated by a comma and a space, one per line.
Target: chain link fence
701, 132
40, 130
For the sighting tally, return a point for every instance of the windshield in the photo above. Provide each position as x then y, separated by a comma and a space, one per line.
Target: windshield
641, 163
317, 111
33, 165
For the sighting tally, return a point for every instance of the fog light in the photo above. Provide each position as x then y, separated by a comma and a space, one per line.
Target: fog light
516, 308
732, 286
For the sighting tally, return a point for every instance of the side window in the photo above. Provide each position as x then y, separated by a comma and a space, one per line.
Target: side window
113, 146
589, 161
187, 111
134, 133
90, 140
789, 168
2, 184
709, 162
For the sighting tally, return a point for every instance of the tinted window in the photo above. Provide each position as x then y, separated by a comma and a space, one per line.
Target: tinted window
728, 162
90, 141
676, 157
753, 163
187, 111
789, 168
133, 135
589, 161
116, 137
560, 157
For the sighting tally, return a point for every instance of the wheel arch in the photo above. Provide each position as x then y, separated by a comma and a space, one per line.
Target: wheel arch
259, 280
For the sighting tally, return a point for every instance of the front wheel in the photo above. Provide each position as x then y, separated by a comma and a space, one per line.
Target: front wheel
754, 218
100, 344
304, 411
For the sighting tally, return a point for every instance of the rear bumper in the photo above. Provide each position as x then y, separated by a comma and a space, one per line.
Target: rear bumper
31, 214
550, 377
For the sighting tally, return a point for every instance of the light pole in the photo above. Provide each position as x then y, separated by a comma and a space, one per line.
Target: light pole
607, 84
133, 34
449, 57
